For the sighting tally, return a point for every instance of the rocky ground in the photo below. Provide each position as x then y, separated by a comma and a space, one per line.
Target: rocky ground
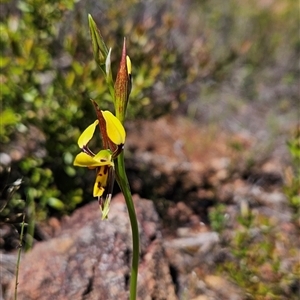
216, 225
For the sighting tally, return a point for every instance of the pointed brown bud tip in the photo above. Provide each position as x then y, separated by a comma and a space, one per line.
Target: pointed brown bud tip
122, 84
123, 65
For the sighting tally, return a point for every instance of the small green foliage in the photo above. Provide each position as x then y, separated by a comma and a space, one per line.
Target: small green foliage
259, 248
256, 265
292, 187
11, 205
217, 217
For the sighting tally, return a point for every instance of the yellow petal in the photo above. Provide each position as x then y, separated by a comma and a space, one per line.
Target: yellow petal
103, 158
98, 191
101, 181
87, 135
84, 160
114, 128
128, 63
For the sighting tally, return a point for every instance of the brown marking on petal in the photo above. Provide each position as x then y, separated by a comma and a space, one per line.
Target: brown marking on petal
105, 169
101, 172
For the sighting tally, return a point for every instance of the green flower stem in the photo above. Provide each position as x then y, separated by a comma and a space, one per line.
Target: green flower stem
124, 185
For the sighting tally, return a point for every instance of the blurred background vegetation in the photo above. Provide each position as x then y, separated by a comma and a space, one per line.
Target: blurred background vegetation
220, 63
205, 59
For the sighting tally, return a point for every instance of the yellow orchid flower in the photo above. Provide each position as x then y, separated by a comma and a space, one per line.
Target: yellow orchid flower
113, 136
102, 161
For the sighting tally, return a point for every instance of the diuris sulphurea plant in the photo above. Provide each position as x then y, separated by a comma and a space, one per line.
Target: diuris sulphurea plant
108, 163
